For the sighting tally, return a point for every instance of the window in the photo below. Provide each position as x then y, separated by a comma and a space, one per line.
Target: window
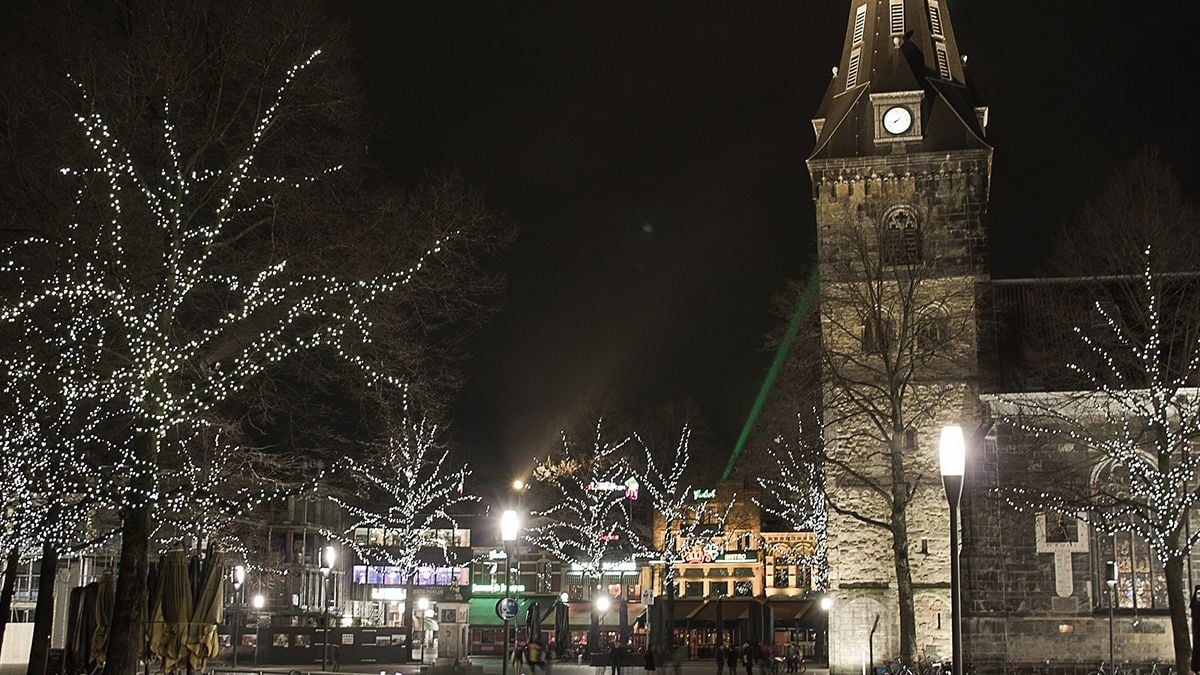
782, 578
878, 334
693, 589
943, 59
852, 71
933, 330
910, 440
718, 589
743, 589
1141, 583
897, 17
900, 237
935, 18
860, 24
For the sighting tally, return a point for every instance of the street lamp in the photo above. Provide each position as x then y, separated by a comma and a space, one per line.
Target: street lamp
602, 604
1110, 578
510, 525
565, 597
826, 605
327, 561
423, 607
239, 577
259, 602
953, 456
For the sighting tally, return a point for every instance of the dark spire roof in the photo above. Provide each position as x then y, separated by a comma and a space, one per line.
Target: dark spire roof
897, 46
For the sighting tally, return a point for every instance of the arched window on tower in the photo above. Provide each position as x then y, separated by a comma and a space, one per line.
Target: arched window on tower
900, 237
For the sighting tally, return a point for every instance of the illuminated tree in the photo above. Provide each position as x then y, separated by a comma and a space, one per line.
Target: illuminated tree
679, 517
173, 262
795, 492
406, 489
1122, 448
587, 517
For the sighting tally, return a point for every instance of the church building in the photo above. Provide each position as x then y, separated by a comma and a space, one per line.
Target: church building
912, 325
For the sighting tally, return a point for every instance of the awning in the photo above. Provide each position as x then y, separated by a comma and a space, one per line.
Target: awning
789, 610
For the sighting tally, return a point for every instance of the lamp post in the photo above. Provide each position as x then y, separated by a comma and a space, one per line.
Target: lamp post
510, 524
826, 605
423, 608
953, 456
239, 577
327, 561
259, 602
1110, 578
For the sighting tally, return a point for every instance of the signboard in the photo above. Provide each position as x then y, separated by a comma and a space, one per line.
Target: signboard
630, 487
700, 495
507, 609
647, 596
701, 552
495, 588
626, 566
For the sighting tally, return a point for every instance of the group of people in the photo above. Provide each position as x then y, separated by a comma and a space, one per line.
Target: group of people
762, 655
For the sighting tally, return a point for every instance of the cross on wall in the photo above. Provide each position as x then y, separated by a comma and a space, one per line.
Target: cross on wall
1064, 569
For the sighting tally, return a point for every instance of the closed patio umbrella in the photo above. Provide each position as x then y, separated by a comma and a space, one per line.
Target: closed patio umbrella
106, 599
176, 609
154, 613
207, 610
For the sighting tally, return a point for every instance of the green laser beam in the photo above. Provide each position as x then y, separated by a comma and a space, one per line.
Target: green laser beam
776, 367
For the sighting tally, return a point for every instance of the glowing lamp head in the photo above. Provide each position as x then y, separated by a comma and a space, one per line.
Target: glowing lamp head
518, 485
602, 603
564, 596
330, 556
953, 451
826, 603
422, 604
259, 601
1110, 573
510, 524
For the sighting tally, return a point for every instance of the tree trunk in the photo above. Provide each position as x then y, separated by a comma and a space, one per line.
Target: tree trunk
43, 613
668, 620
9, 589
899, 522
125, 639
1177, 600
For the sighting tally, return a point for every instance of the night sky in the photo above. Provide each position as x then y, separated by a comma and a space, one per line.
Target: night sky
653, 156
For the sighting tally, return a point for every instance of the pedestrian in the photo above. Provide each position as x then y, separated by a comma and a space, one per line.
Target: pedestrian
649, 661
793, 657
335, 655
535, 656
720, 654
516, 658
731, 659
614, 659
747, 658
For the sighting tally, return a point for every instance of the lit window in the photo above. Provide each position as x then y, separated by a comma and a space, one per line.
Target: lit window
860, 24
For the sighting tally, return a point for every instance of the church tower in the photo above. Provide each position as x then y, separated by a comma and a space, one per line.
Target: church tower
900, 174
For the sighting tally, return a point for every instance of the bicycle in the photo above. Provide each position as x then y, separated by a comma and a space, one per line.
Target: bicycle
1163, 670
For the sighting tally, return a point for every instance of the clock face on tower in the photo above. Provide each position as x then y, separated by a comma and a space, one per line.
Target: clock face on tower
897, 120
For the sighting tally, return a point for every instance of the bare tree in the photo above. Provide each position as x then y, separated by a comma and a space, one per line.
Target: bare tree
898, 329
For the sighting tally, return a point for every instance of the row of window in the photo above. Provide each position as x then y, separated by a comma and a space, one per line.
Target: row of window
879, 333
897, 25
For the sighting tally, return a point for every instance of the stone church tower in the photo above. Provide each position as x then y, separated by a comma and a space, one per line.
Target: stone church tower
900, 173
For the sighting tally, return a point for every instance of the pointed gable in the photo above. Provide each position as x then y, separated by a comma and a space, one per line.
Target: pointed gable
897, 46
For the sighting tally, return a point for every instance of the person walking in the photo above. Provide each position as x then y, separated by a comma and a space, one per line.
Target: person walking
614, 659
649, 661
731, 659
720, 653
747, 653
